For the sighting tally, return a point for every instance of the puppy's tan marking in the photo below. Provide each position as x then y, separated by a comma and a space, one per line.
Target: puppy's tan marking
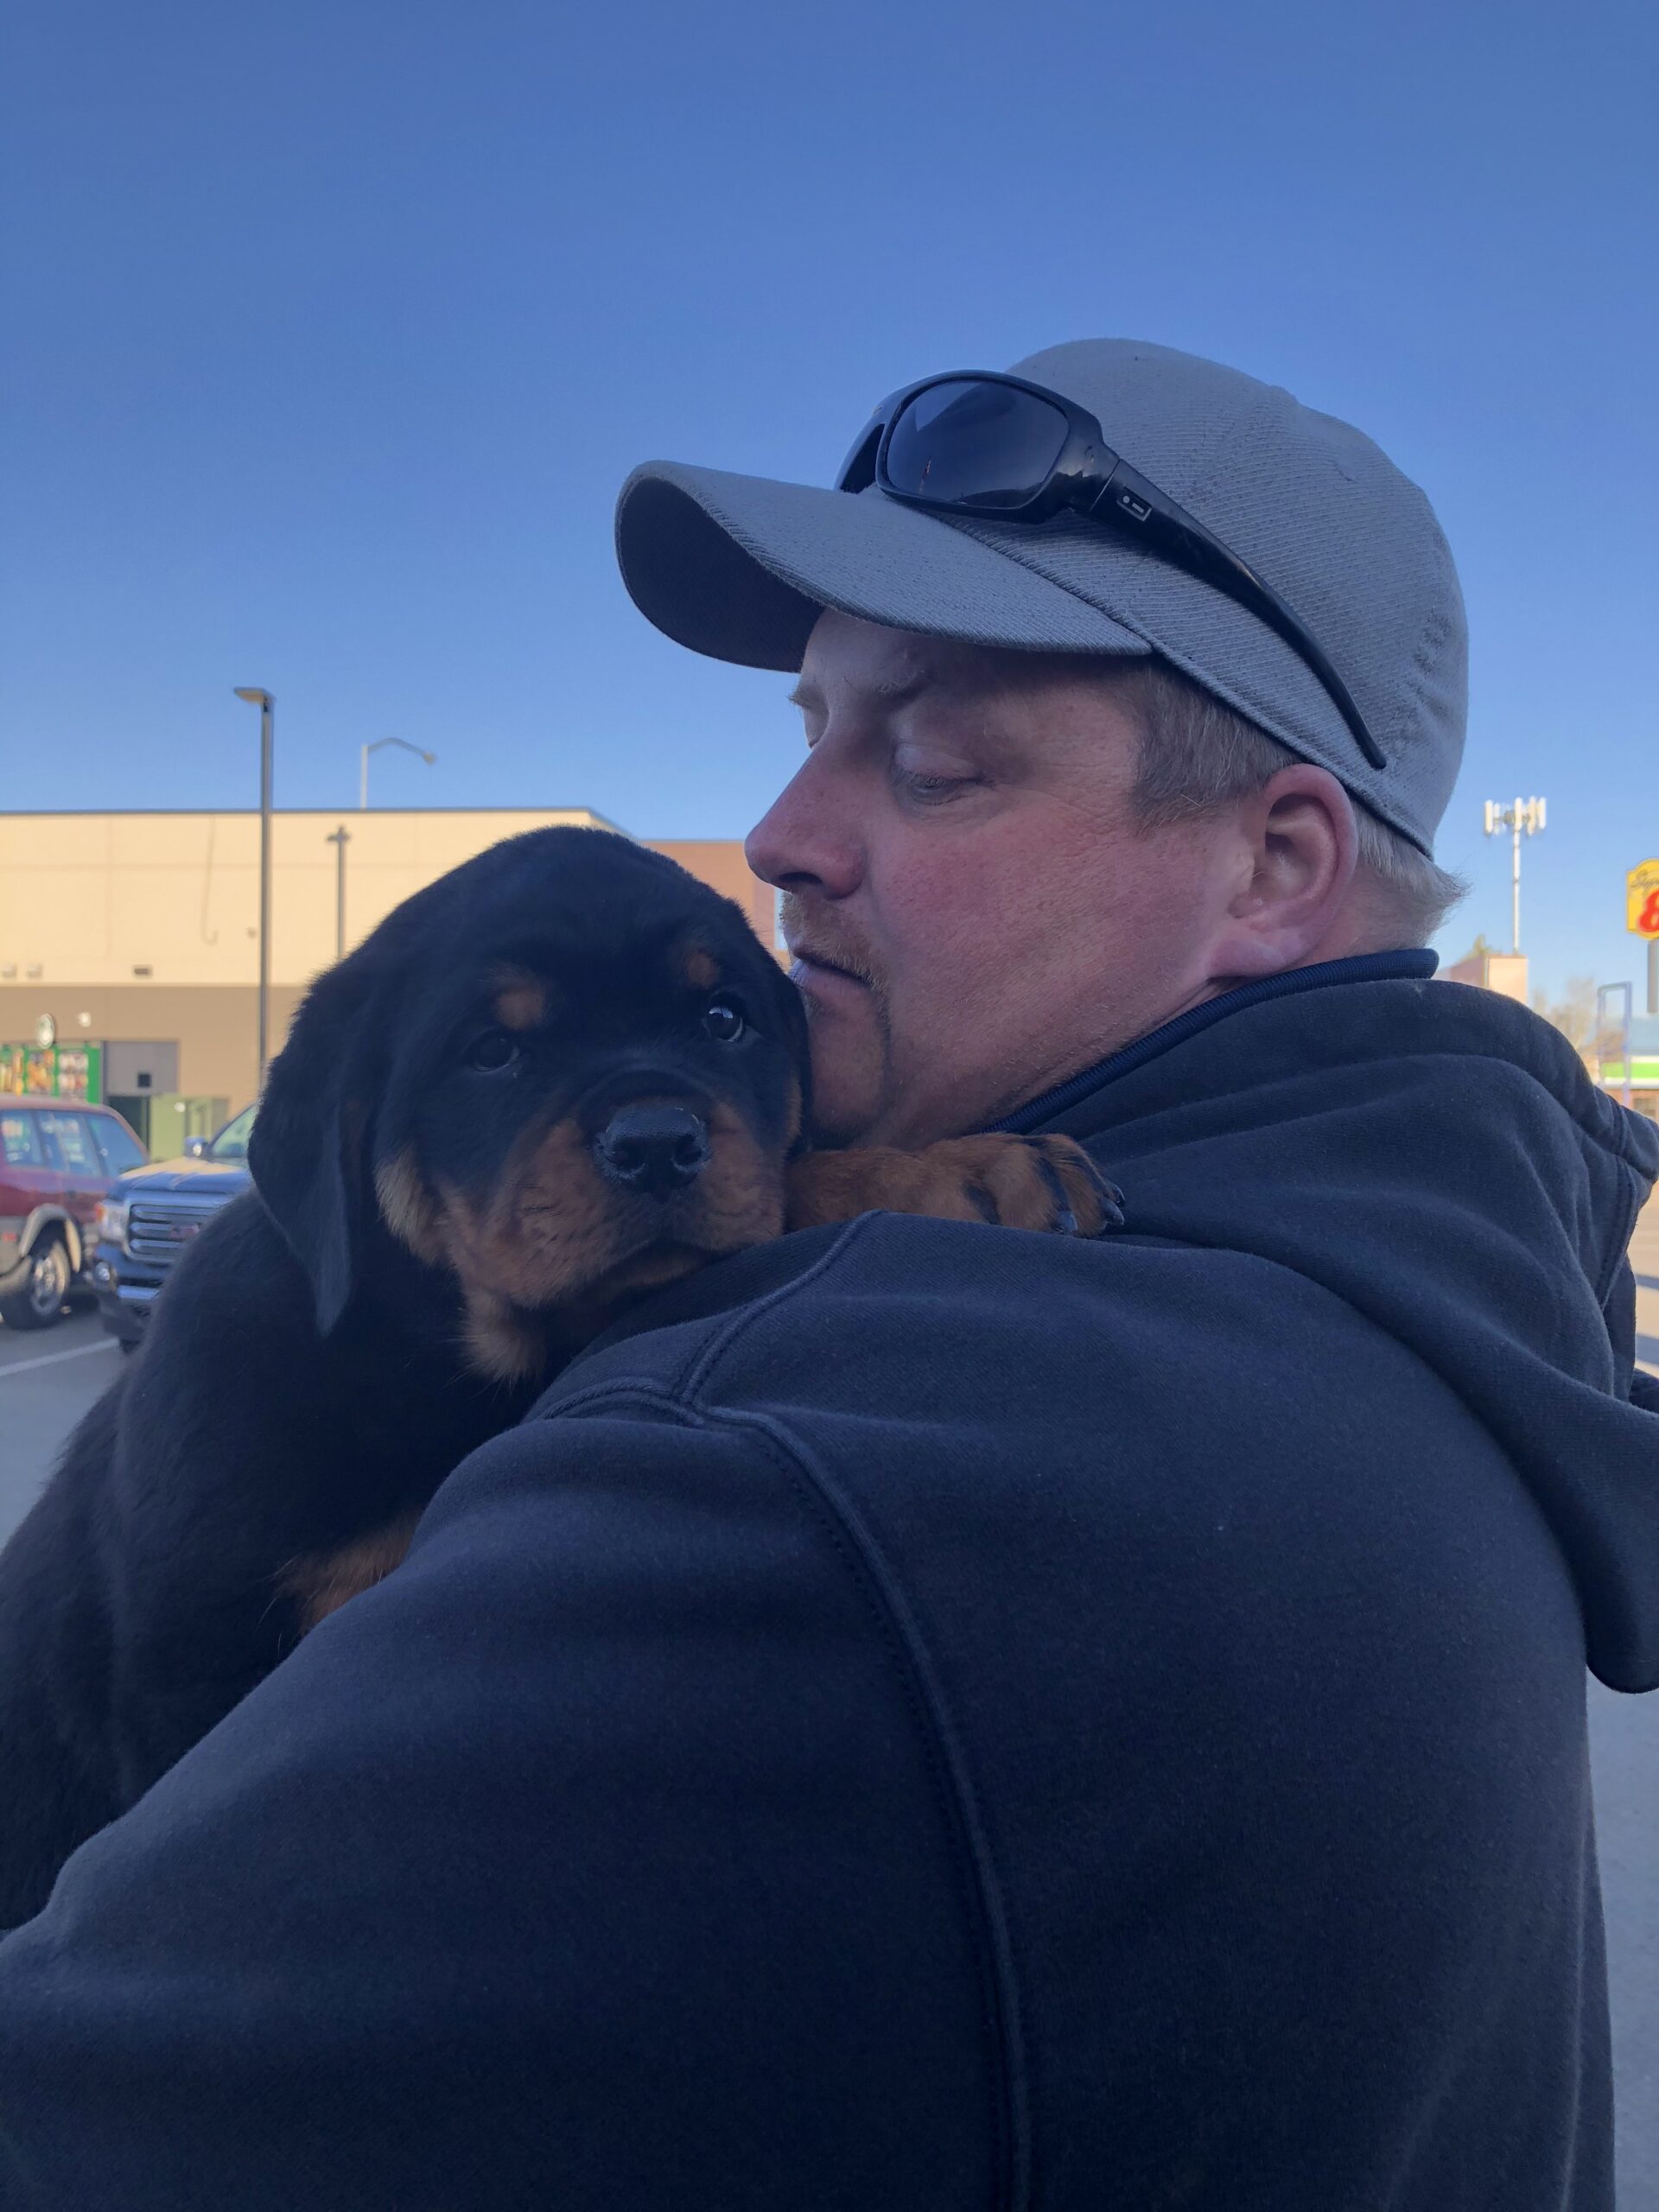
737, 1199
700, 968
407, 1208
995, 1178
521, 1000
550, 1225
556, 1239
322, 1582
501, 1340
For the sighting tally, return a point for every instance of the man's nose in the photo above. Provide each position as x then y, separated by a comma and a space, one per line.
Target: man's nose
655, 1150
805, 840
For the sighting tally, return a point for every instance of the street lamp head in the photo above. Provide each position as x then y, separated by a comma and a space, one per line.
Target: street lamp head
254, 696
430, 758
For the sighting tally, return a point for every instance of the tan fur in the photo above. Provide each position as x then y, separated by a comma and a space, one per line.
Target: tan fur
549, 1227
558, 1240
996, 1178
323, 1581
740, 1194
700, 968
556, 1237
501, 1341
521, 1000
406, 1209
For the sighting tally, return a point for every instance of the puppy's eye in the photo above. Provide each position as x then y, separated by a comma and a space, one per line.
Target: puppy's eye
495, 1049
725, 1020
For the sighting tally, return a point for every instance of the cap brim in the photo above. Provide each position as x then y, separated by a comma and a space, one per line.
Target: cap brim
741, 567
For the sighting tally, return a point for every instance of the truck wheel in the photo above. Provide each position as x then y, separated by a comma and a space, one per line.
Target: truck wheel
39, 1300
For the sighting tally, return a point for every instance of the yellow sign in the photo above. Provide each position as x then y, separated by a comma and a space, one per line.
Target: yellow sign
1641, 900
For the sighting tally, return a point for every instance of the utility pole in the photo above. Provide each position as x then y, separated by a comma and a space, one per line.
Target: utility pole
340, 838
266, 703
1525, 815
1608, 991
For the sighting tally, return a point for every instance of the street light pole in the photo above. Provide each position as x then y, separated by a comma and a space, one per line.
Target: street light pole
266, 703
363, 772
1528, 815
340, 838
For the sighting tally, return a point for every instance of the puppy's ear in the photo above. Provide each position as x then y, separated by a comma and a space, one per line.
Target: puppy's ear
309, 1151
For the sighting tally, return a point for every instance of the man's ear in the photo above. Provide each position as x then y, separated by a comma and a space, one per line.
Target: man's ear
309, 1150
1297, 846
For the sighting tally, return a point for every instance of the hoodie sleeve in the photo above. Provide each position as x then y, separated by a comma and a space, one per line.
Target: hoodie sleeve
598, 1857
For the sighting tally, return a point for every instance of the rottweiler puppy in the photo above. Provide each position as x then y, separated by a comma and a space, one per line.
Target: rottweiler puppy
548, 1084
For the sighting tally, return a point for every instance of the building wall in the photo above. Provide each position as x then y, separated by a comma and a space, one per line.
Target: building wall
215, 1025
1504, 972
92, 898
86, 899
718, 862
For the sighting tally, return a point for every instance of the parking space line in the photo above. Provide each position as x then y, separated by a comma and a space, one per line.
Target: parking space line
51, 1358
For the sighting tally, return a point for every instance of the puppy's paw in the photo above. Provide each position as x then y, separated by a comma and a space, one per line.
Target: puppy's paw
1044, 1183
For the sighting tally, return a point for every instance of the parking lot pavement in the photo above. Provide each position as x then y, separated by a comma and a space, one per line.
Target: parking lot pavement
48, 1379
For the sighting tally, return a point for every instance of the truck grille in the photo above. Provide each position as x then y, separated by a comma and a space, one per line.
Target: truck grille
159, 1228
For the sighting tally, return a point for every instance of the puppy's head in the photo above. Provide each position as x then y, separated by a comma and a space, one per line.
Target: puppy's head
563, 1075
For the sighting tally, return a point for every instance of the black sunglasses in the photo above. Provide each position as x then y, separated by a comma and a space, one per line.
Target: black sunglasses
979, 444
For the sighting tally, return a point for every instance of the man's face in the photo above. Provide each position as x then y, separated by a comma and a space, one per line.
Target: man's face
975, 912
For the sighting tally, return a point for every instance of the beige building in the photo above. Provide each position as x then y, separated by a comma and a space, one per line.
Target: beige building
1503, 972
141, 930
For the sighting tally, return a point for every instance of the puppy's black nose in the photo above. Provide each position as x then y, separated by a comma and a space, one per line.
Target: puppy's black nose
654, 1150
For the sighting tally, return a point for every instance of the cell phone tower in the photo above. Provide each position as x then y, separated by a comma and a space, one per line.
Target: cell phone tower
1522, 816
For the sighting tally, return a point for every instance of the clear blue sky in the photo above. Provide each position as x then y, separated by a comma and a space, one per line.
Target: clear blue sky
331, 330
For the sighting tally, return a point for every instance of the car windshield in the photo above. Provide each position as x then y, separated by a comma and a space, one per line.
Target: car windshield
231, 1142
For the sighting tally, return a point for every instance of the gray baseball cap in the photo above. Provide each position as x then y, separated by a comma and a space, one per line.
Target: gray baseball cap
741, 567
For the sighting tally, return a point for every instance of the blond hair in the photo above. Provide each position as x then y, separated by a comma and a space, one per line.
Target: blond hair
1198, 756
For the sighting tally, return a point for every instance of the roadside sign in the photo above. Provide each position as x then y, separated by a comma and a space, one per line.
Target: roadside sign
1641, 900
52, 1072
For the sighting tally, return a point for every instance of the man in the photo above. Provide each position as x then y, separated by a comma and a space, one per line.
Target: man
926, 1716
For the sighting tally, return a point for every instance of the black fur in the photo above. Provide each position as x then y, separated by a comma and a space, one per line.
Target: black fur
305, 1379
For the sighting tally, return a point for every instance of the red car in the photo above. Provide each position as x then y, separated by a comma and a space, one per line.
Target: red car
58, 1157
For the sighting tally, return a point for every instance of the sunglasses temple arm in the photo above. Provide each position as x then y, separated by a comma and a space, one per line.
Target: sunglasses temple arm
1137, 505
857, 472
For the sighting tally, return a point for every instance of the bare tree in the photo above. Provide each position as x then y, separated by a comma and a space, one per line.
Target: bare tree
1477, 950
1575, 1017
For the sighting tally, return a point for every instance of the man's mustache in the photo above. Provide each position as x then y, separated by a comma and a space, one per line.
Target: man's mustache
812, 937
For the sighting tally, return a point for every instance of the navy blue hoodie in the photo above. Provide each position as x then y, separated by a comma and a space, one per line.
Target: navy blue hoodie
928, 1716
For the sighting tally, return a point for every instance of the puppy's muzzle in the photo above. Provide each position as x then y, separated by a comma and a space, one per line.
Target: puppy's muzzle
655, 1150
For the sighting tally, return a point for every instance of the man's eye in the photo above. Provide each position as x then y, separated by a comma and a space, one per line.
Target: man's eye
930, 786
495, 1049
725, 1020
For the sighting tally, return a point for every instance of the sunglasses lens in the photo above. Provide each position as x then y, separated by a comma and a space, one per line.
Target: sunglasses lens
977, 445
